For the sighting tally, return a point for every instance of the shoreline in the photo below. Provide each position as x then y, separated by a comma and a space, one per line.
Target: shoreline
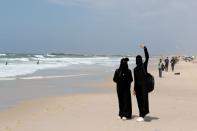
25, 87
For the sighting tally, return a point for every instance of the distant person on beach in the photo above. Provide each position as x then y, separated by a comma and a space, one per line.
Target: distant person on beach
6, 63
38, 62
166, 64
123, 78
173, 62
140, 84
161, 67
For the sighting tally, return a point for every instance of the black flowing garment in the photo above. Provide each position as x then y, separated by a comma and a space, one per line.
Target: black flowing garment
123, 80
140, 86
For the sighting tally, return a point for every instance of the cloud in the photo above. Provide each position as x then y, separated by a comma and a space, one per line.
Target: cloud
120, 3
171, 22
134, 7
144, 12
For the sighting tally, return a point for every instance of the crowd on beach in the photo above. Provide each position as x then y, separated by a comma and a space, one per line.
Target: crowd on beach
164, 64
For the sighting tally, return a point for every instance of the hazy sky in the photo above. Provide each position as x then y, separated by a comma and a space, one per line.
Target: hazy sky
98, 26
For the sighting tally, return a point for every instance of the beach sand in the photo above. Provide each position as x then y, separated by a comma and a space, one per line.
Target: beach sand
172, 108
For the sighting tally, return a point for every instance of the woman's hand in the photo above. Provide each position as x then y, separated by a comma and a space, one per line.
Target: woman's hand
134, 93
142, 46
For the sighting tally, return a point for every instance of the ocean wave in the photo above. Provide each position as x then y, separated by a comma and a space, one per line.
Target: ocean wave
14, 70
39, 56
7, 79
22, 65
70, 55
15, 59
51, 77
2, 54
49, 55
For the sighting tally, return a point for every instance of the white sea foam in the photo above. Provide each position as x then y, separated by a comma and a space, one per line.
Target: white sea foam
12, 70
15, 59
51, 77
2, 54
50, 55
39, 56
7, 79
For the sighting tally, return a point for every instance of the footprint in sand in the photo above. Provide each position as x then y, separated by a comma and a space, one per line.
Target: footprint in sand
18, 123
54, 109
46, 109
33, 114
61, 108
7, 128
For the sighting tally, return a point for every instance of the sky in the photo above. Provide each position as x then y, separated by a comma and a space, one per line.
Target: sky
98, 26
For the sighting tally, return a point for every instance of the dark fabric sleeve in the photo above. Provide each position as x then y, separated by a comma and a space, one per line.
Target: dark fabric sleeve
115, 79
146, 58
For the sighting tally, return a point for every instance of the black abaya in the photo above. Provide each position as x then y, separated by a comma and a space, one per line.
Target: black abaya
123, 80
140, 85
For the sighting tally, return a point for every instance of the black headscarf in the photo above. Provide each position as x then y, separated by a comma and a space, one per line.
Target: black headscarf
139, 61
123, 64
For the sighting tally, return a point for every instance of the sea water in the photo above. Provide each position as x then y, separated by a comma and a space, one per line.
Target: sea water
23, 78
23, 64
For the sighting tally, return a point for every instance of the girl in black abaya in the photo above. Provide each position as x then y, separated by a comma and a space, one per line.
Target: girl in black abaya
123, 78
140, 88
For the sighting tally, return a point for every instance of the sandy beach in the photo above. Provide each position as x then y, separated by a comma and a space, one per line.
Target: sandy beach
172, 107
58, 59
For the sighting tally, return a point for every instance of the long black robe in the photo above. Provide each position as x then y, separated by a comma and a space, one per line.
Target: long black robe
123, 80
140, 86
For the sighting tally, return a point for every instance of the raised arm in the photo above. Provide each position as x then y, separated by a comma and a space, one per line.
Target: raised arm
145, 52
146, 58
146, 55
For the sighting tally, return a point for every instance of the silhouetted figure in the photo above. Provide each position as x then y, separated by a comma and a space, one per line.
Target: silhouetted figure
166, 64
140, 88
6, 63
173, 62
38, 62
160, 67
123, 78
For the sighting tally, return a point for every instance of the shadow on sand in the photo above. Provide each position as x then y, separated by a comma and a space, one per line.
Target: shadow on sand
147, 118
150, 118
134, 116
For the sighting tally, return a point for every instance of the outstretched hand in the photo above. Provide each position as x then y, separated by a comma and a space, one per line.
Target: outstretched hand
142, 46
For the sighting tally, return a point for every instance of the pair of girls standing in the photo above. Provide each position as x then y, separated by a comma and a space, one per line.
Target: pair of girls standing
123, 78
